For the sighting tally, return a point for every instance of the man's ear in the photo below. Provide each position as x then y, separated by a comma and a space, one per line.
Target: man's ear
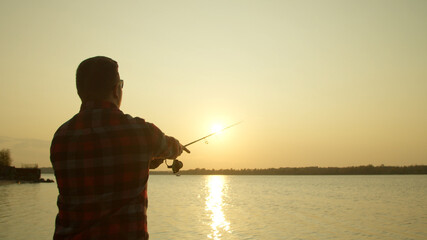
117, 95
117, 91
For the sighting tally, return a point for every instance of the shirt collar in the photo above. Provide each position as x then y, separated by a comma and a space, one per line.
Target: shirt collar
97, 104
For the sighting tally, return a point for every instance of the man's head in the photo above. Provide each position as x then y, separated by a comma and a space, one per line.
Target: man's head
98, 79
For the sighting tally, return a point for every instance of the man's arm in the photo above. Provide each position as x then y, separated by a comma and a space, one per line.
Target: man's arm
163, 147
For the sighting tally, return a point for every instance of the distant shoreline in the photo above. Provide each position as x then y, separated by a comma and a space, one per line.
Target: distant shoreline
355, 170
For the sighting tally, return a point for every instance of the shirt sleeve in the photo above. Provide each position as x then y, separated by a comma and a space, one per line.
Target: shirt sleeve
163, 147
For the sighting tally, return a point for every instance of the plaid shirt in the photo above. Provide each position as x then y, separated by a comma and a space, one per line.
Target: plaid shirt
101, 159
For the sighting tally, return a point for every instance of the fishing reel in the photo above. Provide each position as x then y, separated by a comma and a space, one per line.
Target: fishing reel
176, 165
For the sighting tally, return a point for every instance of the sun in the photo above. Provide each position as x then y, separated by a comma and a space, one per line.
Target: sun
216, 128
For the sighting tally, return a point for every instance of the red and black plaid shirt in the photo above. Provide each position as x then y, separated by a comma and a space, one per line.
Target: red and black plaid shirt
101, 159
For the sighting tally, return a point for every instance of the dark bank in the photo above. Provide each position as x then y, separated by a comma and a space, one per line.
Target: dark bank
354, 170
30, 174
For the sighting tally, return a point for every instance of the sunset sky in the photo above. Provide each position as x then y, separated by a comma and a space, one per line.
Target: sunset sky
316, 83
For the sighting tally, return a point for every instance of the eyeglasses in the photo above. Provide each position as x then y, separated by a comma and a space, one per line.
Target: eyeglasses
122, 83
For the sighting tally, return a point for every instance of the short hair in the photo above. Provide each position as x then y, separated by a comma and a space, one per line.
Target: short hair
95, 78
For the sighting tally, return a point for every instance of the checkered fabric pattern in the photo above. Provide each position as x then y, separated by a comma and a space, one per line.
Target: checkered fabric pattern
101, 159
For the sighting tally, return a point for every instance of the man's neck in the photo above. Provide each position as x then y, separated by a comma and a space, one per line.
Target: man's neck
109, 100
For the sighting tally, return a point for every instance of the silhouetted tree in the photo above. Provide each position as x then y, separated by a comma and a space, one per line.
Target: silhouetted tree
5, 159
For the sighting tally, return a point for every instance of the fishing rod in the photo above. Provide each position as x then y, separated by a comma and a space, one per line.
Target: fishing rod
177, 165
232, 125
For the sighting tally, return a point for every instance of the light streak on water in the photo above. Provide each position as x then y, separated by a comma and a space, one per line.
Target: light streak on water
214, 202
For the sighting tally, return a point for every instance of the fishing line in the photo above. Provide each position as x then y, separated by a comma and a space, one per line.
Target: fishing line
177, 165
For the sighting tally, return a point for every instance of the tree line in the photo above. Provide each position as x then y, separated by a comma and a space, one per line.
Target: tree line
355, 170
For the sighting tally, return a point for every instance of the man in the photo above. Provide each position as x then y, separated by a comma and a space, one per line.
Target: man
101, 158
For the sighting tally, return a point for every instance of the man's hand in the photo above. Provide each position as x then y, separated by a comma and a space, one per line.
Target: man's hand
180, 149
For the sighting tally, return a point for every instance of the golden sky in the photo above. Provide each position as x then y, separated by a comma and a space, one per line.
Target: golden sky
317, 83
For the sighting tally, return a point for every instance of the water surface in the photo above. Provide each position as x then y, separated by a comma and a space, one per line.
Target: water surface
249, 207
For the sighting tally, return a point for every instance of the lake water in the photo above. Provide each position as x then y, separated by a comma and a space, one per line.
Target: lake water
249, 207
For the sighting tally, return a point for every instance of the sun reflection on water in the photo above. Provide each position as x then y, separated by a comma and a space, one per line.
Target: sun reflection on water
214, 202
